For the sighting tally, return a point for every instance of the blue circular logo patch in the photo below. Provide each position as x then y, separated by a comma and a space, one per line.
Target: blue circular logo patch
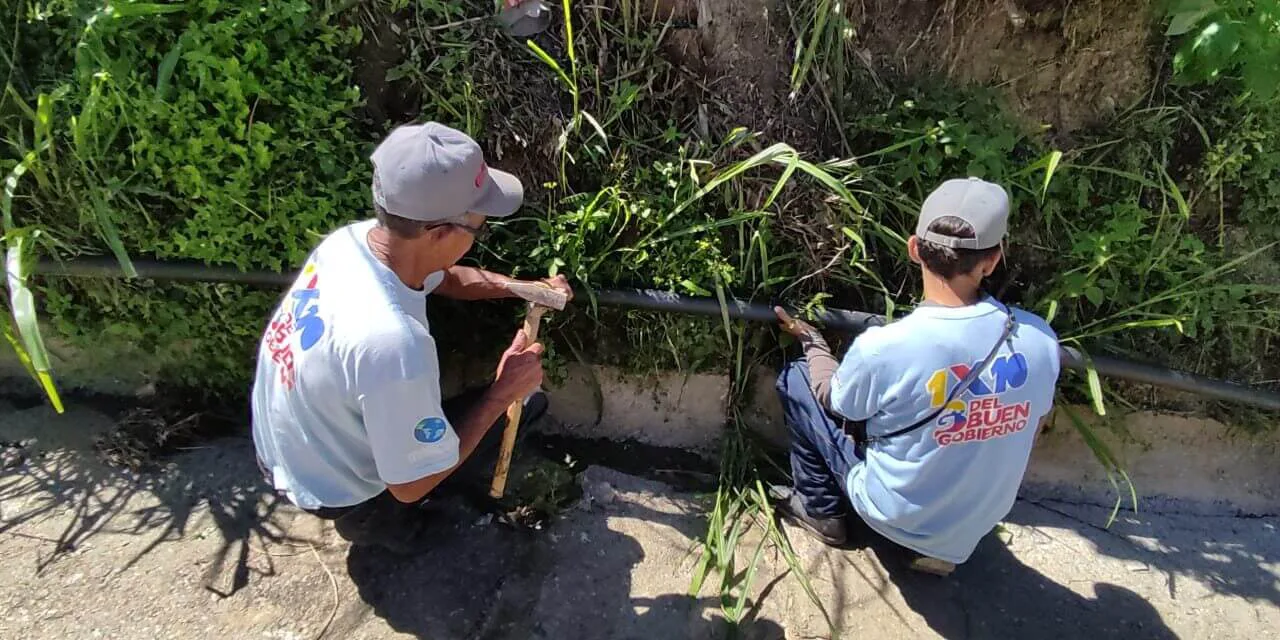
429, 430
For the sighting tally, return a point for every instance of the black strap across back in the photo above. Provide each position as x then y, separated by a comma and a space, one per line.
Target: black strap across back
969, 378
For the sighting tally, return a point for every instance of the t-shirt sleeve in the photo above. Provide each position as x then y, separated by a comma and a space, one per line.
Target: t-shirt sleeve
433, 280
400, 403
857, 385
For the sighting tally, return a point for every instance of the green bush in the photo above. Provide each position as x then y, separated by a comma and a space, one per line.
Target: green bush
1227, 39
233, 134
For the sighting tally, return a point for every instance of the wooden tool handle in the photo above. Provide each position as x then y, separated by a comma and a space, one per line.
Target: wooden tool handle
531, 323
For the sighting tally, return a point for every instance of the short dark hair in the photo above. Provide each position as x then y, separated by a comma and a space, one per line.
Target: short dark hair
945, 261
398, 226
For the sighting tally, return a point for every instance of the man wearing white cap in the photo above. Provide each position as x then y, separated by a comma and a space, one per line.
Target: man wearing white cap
944, 404
348, 419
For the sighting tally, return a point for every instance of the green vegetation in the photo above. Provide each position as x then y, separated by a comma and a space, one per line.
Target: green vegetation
235, 133
1234, 39
215, 131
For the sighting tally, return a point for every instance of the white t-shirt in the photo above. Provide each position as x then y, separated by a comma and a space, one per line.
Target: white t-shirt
346, 398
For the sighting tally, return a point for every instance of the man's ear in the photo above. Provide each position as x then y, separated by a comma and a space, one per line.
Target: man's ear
913, 249
437, 233
989, 266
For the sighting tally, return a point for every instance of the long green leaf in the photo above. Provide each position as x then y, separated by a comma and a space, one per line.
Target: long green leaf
165, 71
134, 9
787, 171
1095, 387
43, 119
591, 120
550, 62
22, 304
764, 156
568, 32
806, 56
700, 572
1128, 175
18, 349
1110, 463
1176, 193
10, 188
793, 562
699, 228
1158, 323
111, 234
744, 588
1050, 167
724, 313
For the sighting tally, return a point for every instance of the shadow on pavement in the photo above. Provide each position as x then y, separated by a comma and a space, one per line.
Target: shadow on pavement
995, 595
579, 579
1234, 556
63, 478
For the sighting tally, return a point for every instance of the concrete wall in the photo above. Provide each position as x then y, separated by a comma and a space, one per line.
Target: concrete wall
1195, 462
1187, 462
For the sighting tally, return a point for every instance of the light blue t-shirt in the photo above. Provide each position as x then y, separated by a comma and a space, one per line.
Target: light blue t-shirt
939, 489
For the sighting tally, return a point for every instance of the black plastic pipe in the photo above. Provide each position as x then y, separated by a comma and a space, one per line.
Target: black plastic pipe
176, 270
851, 321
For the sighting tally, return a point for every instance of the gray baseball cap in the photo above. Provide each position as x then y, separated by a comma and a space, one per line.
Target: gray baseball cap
984, 205
430, 172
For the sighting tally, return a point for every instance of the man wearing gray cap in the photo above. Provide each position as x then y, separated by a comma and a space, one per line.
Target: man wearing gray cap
943, 404
348, 419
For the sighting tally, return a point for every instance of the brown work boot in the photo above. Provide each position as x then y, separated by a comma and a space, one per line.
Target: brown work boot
831, 531
925, 564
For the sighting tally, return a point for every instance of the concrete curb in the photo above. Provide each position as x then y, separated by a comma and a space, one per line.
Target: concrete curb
1175, 462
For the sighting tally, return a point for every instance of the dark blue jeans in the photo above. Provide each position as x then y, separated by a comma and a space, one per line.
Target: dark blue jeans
821, 453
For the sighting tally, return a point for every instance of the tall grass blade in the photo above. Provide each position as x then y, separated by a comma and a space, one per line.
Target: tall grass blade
705, 226
1183, 208
43, 120
809, 53
724, 313
111, 234
591, 120
550, 62
22, 304
1095, 386
21, 301
1159, 323
1119, 173
744, 590
762, 157
568, 33
700, 572
1110, 463
164, 73
1052, 312
134, 9
10, 188
1050, 167
18, 349
793, 562
782, 181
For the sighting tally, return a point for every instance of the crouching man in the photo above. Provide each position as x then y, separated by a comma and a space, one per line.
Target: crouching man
945, 403
348, 419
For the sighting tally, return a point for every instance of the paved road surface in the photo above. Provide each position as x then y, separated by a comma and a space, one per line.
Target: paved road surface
200, 550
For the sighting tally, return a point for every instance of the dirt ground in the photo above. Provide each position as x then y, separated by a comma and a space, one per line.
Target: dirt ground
200, 549
1067, 63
